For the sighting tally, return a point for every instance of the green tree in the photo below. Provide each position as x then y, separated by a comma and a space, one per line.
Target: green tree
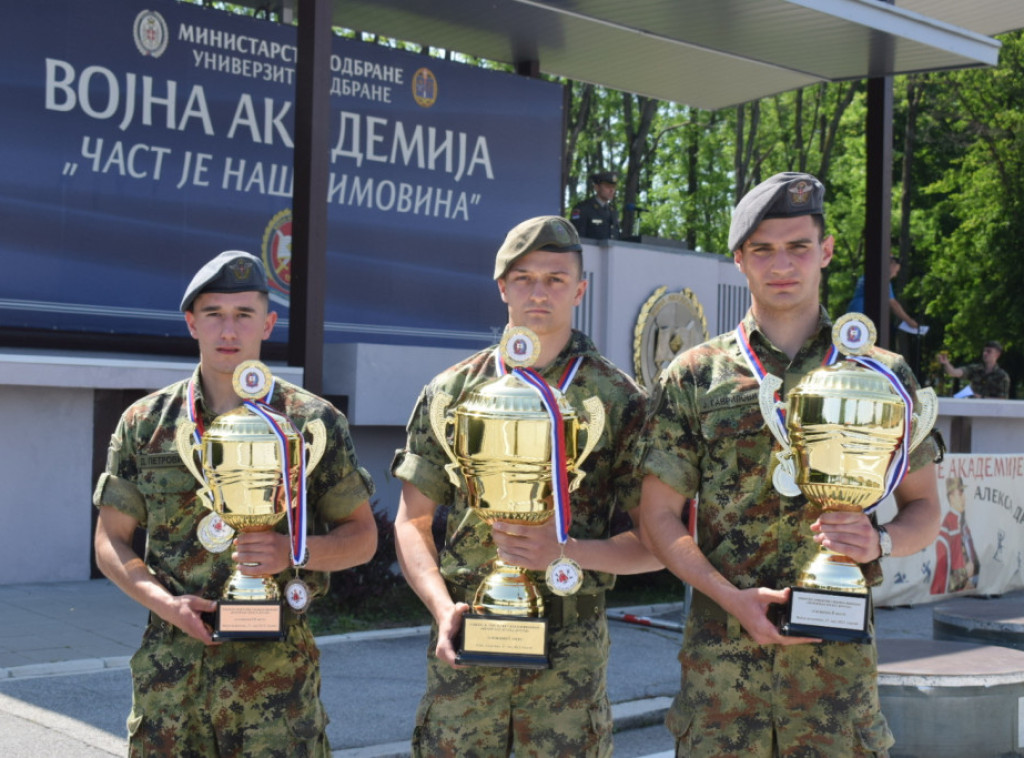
972, 286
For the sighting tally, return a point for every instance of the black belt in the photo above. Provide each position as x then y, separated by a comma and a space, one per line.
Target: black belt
559, 611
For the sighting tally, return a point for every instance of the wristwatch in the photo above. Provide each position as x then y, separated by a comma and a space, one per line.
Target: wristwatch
884, 542
304, 560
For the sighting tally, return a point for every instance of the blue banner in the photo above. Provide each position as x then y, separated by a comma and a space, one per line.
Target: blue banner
138, 140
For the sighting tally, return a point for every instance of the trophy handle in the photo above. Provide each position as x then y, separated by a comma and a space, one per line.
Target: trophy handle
317, 445
439, 423
769, 405
186, 449
596, 418
924, 420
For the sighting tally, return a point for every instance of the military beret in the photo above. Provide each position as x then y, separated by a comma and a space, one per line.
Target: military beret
782, 196
604, 176
231, 271
551, 233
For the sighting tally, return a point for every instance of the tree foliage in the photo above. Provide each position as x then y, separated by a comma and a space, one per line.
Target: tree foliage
957, 177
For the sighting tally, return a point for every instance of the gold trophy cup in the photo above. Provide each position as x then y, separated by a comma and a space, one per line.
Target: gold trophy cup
502, 449
242, 468
845, 422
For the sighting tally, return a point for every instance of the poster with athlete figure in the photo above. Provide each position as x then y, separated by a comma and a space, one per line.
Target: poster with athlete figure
980, 547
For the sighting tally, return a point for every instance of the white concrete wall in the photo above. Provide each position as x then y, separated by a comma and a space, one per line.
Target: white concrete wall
995, 426
45, 467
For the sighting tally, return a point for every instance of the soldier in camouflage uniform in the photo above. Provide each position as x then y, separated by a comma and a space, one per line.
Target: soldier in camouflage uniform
746, 689
192, 696
987, 379
563, 711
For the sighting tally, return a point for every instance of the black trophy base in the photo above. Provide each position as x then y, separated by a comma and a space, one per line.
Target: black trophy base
505, 641
248, 620
827, 615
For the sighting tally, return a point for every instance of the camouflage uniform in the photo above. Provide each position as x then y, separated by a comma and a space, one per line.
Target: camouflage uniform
257, 698
485, 711
994, 384
706, 438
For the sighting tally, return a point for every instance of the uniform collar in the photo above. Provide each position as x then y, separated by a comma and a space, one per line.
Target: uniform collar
821, 337
579, 344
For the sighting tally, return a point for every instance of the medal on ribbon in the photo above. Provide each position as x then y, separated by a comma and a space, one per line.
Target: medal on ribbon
774, 412
855, 334
251, 382
520, 348
296, 594
213, 532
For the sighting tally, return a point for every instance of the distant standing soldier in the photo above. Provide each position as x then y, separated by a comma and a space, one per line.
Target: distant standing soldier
987, 379
596, 217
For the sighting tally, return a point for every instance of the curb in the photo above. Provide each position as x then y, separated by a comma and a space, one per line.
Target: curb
95, 665
64, 668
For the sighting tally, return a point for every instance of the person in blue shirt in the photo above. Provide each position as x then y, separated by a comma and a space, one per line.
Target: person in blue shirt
857, 302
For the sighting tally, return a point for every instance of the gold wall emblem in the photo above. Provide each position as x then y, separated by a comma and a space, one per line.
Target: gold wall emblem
668, 324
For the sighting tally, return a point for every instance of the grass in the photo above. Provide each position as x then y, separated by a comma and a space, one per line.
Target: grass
399, 606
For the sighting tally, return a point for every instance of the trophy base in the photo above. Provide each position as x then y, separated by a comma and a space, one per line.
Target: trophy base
248, 620
506, 641
826, 615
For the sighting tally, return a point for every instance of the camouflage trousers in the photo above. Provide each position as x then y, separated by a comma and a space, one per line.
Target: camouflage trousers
255, 699
484, 712
738, 698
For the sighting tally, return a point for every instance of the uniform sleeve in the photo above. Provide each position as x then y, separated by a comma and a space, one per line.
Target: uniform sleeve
1004, 385
577, 219
669, 446
626, 476
116, 486
422, 461
928, 451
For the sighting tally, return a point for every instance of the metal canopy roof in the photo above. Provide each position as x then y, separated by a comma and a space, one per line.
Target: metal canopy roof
705, 53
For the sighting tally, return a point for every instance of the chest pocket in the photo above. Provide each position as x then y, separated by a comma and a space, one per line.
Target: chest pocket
170, 494
739, 445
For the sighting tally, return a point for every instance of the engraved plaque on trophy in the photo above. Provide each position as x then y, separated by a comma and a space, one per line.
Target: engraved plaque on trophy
501, 455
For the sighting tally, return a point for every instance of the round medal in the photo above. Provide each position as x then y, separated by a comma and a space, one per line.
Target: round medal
519, 347
854, 334
296, 594
251, 380
564, 576
784, 478
214, 533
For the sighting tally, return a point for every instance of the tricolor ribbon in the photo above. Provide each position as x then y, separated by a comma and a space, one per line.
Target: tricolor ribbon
901, 459
197, 418
297, 506
296, 509
559, 465
759, 371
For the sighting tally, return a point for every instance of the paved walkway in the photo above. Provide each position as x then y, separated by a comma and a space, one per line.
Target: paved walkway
65, 686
